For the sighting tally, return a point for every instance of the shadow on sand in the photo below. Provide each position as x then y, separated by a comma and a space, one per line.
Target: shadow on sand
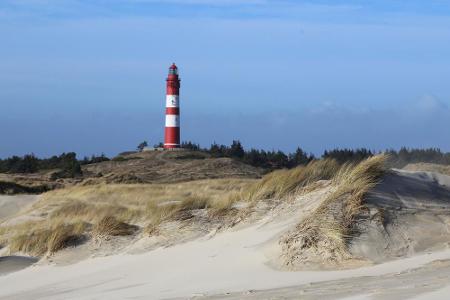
9, 264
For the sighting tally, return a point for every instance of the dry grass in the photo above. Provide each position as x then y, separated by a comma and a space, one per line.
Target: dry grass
116, 209
279, 184
158, 213
109, 210
325, 234
119, 209
110, 226
41, 239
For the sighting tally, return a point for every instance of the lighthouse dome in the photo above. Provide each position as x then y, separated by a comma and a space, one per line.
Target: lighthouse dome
173, 69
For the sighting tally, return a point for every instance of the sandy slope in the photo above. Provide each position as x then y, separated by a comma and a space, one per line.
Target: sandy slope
410, 213
229, 262
428, 167
10, 205
240, 263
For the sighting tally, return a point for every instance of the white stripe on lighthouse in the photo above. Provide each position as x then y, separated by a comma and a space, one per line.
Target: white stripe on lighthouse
172, 101
172, 121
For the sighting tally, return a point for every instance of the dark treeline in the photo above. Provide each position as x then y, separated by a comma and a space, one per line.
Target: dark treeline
275, 159
278, 159
66, 164
69, 166
346, 155
405, 156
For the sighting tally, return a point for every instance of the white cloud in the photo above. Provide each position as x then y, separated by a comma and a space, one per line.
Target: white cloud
429, 103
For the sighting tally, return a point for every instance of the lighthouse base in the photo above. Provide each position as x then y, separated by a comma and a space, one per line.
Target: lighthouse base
149, 149
172, 137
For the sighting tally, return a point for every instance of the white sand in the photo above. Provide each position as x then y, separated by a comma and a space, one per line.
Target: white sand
229, 262
441, 294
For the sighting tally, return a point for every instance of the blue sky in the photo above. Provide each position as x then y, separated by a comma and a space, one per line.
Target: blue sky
89, 76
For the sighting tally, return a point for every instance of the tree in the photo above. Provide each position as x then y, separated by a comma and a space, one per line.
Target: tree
190, 146
29, 164
348, 155
94, 159
70, 165
236, 150
142, 145
214, 150
300, 157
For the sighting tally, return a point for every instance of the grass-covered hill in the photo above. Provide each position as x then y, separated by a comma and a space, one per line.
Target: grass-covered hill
135, 167
167, 167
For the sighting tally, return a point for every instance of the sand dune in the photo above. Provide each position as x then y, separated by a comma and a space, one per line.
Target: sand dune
10, 205
428, 167
404, 243
409, 214
230, 262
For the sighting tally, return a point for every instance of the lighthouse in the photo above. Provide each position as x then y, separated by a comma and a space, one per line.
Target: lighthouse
172, 129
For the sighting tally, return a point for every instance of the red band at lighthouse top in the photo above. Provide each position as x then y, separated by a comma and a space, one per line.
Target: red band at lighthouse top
173, 82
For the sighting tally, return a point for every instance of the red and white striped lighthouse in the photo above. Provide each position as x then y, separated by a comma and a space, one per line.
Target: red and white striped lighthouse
172, 130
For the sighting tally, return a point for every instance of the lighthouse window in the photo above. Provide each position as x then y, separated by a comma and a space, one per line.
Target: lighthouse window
173, 72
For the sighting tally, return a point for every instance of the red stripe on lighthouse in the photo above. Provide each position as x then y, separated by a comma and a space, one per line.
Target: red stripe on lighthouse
171, 90
172, 110
172, 129
172, 139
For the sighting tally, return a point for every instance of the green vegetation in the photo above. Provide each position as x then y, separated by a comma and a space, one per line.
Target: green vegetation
407, 156
271, 160
66, 164
12, 188
348, 155
277, 159
142, 145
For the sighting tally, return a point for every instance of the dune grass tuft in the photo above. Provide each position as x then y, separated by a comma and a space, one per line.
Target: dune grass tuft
327, 231
177, 210
110, 226
281, 183
41, 240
